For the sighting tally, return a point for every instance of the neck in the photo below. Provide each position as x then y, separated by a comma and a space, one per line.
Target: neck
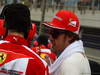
16, 34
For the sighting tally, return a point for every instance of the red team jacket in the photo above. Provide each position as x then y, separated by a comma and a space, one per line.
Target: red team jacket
24, 62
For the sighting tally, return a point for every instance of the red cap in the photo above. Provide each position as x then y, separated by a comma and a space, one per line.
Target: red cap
65, 20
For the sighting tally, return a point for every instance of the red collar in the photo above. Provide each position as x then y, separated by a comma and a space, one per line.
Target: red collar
16, 40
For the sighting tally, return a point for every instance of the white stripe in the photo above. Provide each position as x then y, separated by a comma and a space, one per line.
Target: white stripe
59, 18
45, 64
2, 41
52, 26
45, 51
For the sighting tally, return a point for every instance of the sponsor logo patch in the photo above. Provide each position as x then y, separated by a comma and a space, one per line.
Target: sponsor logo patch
72, 23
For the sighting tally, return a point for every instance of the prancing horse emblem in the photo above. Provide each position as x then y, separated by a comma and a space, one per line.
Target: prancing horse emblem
3, 56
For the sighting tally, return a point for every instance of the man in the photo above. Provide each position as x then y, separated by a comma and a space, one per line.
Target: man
15, 56
64, 35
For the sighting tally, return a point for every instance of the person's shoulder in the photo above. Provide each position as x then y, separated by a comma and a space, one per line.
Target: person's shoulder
74, 64
76, 58
36, 56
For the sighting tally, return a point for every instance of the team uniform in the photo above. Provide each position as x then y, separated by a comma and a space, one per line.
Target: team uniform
9, 63
31, 62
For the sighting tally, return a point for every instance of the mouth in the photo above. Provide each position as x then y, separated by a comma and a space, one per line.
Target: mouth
53, 44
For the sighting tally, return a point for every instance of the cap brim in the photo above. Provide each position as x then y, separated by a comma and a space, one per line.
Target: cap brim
51, 25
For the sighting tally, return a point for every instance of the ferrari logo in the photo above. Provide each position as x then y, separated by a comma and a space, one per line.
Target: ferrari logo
72, 23
3, 56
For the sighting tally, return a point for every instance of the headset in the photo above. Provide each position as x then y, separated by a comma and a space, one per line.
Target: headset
32, 32
2, 29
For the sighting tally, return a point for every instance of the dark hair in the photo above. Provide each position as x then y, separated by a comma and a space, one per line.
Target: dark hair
42, 39
17, 18
74, 35
56, 32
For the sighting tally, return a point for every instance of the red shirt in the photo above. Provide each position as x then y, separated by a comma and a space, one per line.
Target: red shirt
35, 66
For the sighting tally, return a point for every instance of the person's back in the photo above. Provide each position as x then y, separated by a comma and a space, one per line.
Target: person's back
18, 24
9, 63
33, 65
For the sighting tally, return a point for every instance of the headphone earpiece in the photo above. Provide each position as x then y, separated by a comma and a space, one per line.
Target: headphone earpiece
2, 28
32, 32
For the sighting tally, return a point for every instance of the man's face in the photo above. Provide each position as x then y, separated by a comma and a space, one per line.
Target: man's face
58, 39
58, 43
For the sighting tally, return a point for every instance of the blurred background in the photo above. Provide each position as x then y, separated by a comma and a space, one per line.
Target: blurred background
88, 12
